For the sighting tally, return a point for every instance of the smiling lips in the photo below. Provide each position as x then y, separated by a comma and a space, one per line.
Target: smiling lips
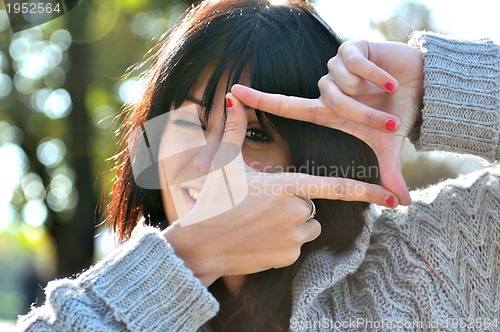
193, 193
190, 196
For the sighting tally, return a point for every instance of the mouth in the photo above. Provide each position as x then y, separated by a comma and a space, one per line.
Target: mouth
190, 196
193, 193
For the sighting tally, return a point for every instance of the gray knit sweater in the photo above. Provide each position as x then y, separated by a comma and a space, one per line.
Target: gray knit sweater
433, 264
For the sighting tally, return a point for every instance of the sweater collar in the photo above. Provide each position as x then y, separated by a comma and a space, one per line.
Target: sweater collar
321, 269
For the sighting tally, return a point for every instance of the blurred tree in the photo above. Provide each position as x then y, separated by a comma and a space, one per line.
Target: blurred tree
74, 240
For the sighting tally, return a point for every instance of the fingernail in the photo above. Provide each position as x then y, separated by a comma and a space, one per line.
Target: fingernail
389, 201
389, 86
390, 125
229, 103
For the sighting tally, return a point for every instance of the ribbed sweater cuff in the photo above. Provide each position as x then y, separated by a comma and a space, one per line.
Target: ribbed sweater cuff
461, 110
149, 288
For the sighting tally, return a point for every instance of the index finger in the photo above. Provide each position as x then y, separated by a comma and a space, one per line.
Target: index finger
233, 138
297, 108
339, 107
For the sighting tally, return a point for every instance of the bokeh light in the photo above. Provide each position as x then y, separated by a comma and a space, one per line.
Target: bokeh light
7, 213
13, 165
130, 90
55, 78
53, 54
34, 213
10, 133
61, 194
32, 186
5, 85
23, 84
58, 104
18, 47
51, 152
55, 104
61, 38
33, 65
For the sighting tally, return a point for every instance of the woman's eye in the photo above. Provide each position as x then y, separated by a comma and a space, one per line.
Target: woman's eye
258, 136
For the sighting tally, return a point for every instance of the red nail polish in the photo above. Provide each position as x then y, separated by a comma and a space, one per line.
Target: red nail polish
390, 201
390, 125
389, 86
229, 103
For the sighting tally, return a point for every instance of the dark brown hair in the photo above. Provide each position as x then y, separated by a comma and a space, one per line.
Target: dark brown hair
285, 49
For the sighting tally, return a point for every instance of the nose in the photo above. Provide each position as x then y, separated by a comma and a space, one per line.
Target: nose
204, 157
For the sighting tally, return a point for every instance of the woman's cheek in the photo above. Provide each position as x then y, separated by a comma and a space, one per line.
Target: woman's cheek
263, 162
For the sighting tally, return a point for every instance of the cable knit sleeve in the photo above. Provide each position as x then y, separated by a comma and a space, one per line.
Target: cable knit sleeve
461, 110
143, 286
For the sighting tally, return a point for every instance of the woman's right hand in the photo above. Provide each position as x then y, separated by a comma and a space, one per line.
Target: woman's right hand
268, 227
372, 91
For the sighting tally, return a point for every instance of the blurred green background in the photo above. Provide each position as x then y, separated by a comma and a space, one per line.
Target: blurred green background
60, 91
61, 88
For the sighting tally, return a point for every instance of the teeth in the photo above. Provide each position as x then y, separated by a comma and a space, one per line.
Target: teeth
193, 193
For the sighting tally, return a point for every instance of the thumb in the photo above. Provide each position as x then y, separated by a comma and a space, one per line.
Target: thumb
392, 178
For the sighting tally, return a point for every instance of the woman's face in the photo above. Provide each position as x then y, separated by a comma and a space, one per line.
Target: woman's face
188, 146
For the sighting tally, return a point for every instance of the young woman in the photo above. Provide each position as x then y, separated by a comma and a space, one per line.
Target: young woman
269, 263
275, 49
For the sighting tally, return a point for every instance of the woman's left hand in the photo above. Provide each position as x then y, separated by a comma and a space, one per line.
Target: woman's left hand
373, 91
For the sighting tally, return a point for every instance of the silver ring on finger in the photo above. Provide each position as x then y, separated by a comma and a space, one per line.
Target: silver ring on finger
313, 210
